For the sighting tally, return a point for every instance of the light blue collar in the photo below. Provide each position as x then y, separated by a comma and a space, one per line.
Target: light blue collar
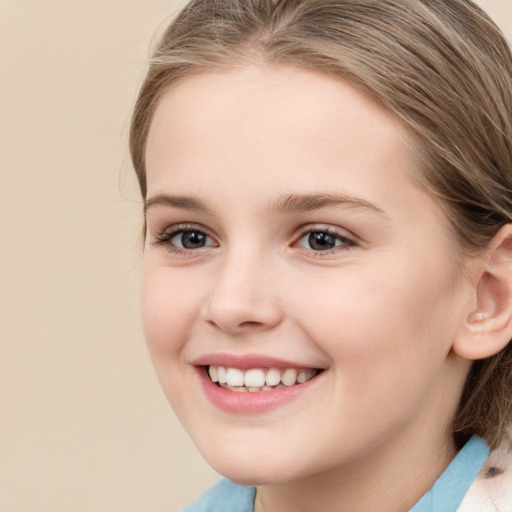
451, 487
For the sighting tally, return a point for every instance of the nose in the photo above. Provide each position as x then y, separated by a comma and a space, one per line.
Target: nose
244, 296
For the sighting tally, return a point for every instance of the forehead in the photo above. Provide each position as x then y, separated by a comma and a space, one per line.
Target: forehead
270, 96
267, 110
273, 131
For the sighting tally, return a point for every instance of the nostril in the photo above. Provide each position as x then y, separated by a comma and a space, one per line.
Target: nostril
242, 325
250, 324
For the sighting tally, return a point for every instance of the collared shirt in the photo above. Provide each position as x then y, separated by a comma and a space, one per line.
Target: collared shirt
445, 495
451, 487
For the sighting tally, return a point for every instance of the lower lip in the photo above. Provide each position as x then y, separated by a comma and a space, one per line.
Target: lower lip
235, 402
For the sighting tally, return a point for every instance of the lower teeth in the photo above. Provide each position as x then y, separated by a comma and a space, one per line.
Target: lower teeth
243, 389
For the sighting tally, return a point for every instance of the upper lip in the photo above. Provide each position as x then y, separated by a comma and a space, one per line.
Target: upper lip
247, 361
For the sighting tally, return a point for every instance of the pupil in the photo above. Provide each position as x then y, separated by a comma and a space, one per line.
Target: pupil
321, 241
193, 239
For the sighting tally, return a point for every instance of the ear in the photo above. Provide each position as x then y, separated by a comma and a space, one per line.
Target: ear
488, 326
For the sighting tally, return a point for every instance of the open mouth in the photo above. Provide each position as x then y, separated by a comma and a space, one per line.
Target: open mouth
255, 380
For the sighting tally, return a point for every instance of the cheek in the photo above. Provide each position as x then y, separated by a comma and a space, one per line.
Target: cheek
168, 304
382, 328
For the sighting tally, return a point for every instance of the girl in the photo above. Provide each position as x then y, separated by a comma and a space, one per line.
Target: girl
327, 272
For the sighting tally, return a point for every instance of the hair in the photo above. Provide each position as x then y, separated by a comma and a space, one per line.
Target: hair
442, 67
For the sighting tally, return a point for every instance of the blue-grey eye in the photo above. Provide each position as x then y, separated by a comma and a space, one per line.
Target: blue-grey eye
191, 239
320, 241
323, 241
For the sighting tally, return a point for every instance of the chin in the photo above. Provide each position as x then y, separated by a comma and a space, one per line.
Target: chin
254, 471
253, 476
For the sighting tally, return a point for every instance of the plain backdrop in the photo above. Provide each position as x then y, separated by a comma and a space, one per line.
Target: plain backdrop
84, 426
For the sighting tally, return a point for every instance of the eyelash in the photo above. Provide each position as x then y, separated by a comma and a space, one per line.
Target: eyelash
166, 237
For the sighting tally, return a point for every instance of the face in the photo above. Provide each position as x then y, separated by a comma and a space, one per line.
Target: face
299, 300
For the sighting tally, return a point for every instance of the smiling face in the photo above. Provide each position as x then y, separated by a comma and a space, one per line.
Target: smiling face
287, 245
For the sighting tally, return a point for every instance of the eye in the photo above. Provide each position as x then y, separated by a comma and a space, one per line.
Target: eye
191, 240
185, 239
324, 240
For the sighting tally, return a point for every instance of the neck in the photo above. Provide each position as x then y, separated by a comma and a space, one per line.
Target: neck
393, 479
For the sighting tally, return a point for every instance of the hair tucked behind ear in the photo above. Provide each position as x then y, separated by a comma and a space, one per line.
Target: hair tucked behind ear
442, 67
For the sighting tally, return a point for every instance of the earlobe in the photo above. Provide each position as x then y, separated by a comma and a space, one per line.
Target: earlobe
488, 326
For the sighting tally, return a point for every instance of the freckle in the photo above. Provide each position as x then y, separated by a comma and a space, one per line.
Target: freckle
492, 472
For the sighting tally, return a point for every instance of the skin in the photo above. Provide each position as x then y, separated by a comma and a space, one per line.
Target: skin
380, 312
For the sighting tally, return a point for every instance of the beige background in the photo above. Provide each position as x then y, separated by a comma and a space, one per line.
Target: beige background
84, 426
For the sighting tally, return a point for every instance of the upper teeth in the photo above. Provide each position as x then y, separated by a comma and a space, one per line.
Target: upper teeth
258, 377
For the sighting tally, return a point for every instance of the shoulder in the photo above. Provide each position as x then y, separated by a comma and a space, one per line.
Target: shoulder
492, 489
224, 496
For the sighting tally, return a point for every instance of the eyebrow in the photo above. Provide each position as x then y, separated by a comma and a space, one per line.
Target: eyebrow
181, 202
295, 203
288, 203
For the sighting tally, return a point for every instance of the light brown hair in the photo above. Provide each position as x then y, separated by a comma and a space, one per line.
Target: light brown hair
441, 66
